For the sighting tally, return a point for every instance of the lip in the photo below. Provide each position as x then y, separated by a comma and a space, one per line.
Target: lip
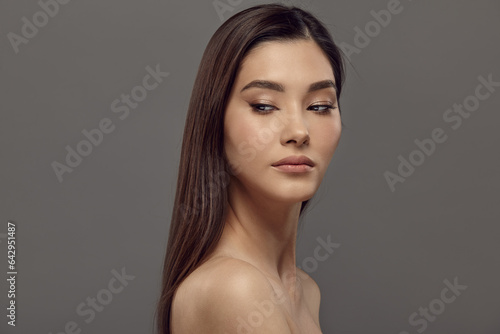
295, 160
294, 164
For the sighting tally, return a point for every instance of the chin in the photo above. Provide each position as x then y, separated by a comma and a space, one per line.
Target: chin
290, 195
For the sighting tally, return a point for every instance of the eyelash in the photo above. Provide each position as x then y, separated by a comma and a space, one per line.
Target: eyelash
328, 107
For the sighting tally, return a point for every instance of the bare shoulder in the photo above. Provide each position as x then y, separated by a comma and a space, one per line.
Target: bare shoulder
227, 295
311, 291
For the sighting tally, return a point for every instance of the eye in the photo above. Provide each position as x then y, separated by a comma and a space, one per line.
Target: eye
322, 108
262, 108
267, 108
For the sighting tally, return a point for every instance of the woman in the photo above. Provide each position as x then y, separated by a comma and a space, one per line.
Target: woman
262, 126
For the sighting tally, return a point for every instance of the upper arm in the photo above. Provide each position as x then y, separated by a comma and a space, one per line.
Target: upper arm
234, 297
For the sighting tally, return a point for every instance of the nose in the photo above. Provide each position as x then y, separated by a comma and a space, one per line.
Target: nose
295, 130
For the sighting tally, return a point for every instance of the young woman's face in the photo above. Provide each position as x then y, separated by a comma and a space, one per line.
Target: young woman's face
283, 104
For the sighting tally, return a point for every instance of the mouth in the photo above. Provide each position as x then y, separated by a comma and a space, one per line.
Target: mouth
294, 164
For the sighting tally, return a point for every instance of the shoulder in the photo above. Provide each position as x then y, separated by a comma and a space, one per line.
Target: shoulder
227, 295
311, 288
312, 292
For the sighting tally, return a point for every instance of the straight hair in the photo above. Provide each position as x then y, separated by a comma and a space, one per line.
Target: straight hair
201, 196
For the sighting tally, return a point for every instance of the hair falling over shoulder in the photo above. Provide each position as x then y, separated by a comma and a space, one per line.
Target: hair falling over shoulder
200, 201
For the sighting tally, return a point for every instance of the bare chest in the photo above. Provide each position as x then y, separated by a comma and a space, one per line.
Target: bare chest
299, 308
300, 316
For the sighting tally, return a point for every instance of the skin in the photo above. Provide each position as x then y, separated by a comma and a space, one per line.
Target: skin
253, 264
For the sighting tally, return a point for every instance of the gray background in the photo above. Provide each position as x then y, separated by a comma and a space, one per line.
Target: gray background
112, 211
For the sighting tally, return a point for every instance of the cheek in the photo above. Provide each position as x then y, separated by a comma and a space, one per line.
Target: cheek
328, 136
245, 141
253, 131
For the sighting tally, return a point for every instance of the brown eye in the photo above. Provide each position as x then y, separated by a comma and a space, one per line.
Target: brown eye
262, 108
322, 108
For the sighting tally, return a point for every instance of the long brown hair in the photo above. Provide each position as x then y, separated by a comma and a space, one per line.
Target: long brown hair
200, 200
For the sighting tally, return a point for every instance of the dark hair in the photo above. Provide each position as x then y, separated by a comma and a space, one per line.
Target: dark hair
200, 200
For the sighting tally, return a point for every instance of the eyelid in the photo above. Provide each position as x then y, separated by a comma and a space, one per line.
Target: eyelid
330, 102
324, 103
255, 105
331, 105
329, 108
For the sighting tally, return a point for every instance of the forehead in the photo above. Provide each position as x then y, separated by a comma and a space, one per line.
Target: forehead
301, 60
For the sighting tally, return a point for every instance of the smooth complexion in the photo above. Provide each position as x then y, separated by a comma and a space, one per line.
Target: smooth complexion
283, 103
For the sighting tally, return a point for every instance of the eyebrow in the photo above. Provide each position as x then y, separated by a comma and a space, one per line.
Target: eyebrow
265, 84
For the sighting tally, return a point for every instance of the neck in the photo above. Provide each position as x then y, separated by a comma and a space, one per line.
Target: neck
262, 232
